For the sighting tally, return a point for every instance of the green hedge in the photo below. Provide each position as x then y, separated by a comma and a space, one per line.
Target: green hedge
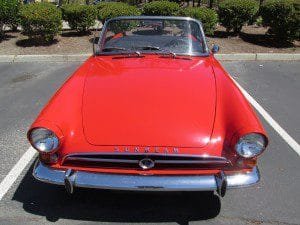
283, 18
108, 10
161, 8
41, 20
64, 2
9, 14
233, 14
102, 5
208, 17
79, 17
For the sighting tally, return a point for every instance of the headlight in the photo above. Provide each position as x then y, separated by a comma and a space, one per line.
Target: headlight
251, 145
44, 140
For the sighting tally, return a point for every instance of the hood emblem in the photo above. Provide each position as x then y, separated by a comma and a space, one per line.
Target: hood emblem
146, 163
138, 149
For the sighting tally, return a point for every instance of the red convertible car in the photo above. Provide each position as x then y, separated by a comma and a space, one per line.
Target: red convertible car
151, 110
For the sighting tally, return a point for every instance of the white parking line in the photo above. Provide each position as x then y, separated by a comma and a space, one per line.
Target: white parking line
15, 172
288, 139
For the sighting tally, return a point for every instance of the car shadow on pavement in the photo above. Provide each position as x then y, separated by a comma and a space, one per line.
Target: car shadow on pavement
54, 203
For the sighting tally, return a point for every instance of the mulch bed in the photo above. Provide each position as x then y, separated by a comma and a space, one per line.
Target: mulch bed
251, 40
69, 42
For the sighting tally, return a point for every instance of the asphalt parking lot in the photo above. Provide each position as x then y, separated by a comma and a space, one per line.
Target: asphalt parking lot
26, 87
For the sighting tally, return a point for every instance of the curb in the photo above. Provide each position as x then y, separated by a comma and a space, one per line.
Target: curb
258, 56
44, 58
83, 57
236, 57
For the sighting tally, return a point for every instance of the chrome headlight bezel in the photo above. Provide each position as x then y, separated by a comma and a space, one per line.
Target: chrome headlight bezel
251, 145
44, 140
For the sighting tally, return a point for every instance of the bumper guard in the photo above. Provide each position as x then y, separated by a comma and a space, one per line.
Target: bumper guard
71, 179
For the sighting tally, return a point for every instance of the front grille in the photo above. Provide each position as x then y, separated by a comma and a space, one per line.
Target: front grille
131, 161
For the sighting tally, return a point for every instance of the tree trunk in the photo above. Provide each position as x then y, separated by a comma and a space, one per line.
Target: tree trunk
211, 2
260, 2
199, 3
1, 30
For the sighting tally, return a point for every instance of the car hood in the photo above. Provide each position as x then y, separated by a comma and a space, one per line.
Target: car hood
150, 101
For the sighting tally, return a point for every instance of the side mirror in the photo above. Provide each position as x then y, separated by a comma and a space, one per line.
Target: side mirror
215, 49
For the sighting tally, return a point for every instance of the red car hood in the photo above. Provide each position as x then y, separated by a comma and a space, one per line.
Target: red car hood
150, 101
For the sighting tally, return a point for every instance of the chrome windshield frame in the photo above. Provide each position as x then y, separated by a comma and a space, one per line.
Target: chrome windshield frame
102, 33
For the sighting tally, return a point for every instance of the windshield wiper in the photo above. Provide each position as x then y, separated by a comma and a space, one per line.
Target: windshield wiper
164, 52
168, 54
125, 52
130, 54
109, 49
148, 47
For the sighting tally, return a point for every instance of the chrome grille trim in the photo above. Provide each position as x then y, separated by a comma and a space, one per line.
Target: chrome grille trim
85, 159
190, 162
162, 159
144, 154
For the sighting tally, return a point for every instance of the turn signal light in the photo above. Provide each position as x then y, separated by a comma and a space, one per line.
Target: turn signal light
247, 163
48, 158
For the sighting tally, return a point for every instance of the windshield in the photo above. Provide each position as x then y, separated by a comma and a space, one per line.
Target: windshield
152, 35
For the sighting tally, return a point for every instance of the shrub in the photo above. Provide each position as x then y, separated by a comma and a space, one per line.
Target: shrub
64, 2
161, 8
208, 17
41, 21
9, 13
79, 17
110, 10
233, 14
14, 17
258, 21
283, 18
101, 5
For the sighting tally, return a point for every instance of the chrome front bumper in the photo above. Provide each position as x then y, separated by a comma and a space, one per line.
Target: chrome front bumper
142, 183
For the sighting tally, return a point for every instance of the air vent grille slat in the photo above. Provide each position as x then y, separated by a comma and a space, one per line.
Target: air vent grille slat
131, 161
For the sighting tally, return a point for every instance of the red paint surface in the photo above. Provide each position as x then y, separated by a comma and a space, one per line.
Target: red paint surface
150, 102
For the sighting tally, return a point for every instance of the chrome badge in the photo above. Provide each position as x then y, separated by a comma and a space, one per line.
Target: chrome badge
146, 163
147, 149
